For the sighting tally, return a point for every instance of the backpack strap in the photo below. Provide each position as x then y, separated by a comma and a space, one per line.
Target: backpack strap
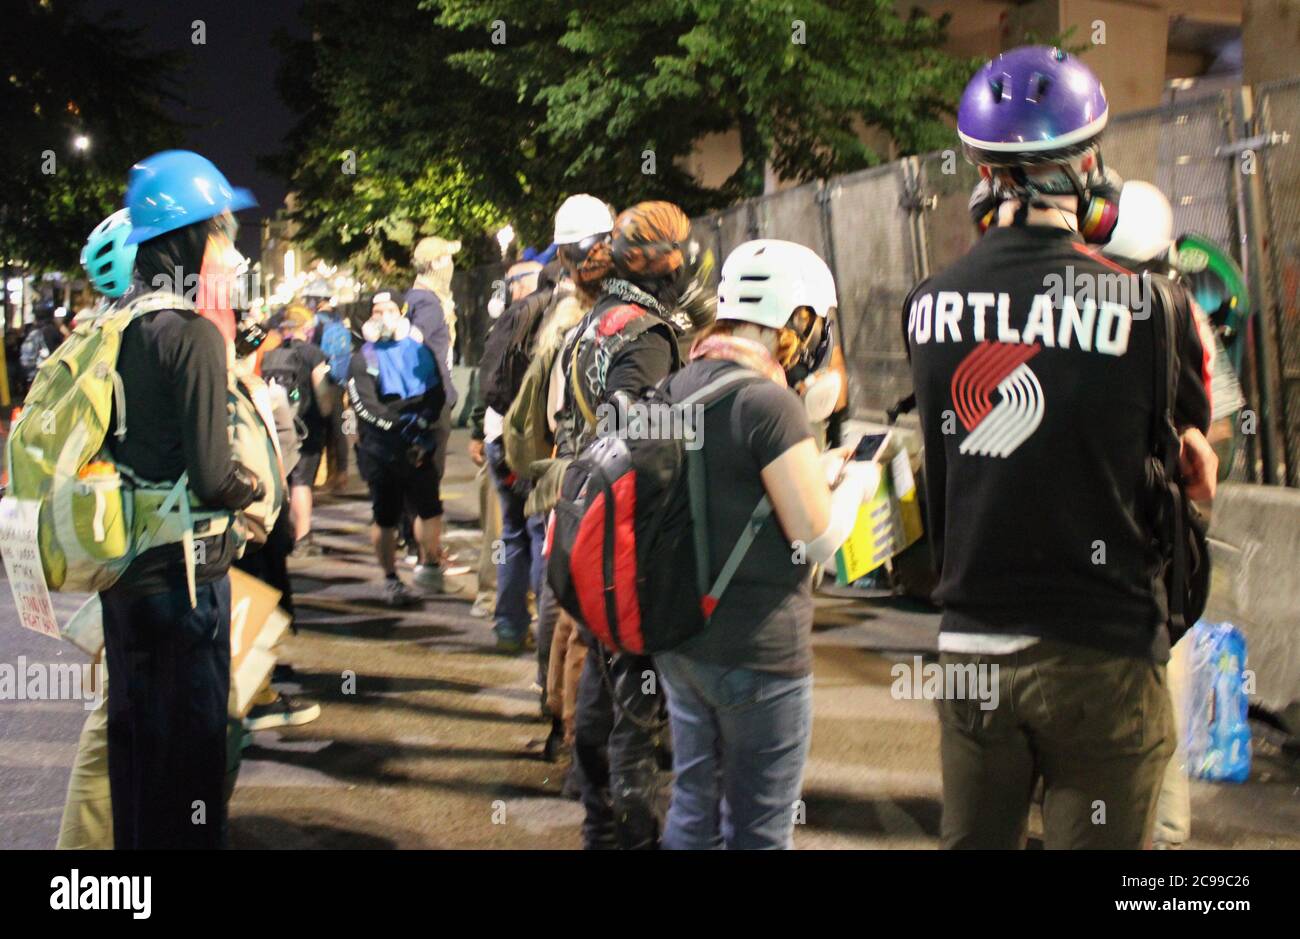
710, 594
1166, 444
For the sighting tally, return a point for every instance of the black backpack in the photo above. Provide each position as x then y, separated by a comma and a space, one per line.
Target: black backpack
1181, 530
628, 546
509, 348
285, 366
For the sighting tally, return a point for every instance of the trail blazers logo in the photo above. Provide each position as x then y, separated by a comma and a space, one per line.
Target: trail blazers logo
997, 428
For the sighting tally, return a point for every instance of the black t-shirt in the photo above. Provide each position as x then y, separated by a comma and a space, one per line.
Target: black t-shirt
764, 619
1034, 364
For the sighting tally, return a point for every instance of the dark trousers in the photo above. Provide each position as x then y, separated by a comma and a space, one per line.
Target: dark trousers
614, 750
1097, 727
167, 715
548, 613
269, 562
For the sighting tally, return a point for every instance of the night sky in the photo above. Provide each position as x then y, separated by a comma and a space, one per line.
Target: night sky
227, 86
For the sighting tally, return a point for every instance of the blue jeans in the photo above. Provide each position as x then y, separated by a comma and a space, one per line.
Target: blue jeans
740, 743
519, 567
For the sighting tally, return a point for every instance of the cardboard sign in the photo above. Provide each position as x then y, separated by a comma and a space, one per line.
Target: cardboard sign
256, 625
22, 560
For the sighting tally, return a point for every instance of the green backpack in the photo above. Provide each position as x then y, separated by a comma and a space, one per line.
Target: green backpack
95, 516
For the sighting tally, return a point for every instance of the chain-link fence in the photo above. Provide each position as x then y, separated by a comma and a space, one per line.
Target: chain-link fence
1279, 114
883, 229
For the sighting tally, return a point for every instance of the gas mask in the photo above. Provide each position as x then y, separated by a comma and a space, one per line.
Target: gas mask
803, 350
389, 326
804, 345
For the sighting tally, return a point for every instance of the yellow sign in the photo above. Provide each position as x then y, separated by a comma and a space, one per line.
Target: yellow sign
887, 523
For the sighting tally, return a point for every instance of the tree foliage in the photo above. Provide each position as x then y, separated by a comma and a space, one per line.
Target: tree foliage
463, 113
65, 74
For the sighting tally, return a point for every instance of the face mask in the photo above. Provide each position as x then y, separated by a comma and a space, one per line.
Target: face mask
496, 306
821, 391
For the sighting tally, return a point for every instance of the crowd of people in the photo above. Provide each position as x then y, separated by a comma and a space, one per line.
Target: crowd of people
1059, 443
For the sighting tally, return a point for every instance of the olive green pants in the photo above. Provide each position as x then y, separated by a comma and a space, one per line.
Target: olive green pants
87, 823
1096, 727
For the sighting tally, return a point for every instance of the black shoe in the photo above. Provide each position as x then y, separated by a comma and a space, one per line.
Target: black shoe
553, 750
306, 549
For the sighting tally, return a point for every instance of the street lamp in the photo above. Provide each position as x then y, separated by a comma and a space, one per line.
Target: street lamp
81, 142
504, 237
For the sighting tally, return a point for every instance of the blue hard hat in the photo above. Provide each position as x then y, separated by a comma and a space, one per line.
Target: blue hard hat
107, 256
175, 188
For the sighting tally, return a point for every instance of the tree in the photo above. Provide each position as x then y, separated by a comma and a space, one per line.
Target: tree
70, 76
391, 142
456, 115
797, 81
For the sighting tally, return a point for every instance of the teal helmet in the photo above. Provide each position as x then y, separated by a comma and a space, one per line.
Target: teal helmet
175, 188
107, 257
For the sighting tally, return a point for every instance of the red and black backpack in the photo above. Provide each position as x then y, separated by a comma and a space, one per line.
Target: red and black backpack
628, 544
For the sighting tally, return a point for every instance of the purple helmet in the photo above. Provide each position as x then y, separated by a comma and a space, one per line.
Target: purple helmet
1034, 104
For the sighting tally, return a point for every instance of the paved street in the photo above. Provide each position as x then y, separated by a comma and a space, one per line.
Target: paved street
439, 746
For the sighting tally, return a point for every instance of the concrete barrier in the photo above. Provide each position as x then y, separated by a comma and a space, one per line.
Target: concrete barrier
1255, 584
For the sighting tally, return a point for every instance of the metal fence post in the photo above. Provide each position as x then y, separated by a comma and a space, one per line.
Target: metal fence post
825, 193
1267, 335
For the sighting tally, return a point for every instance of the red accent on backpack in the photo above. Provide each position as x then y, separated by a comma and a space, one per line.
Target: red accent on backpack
586, 566
616, 318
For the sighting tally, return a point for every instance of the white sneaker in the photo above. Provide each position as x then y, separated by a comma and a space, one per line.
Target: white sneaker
484, 605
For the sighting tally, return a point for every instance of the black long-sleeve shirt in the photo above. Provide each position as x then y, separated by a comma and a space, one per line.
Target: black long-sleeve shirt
380, 415
173, 368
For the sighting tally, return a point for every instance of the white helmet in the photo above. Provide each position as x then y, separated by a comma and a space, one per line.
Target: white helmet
580, 217
765, 281
1145, 226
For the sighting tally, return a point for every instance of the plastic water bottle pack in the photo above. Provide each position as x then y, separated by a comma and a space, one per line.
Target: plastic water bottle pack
1217, 732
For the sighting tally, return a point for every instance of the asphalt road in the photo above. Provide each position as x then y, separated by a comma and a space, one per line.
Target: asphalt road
439, 746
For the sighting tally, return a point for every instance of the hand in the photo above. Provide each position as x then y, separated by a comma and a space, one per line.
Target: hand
833, 463
476, 452
1199, 465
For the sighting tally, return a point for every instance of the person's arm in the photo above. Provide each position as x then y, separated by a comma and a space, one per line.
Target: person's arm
795, 476
641, 365
1197, 460
201, 382
363, 392
477, 417
425, 313
320, 387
